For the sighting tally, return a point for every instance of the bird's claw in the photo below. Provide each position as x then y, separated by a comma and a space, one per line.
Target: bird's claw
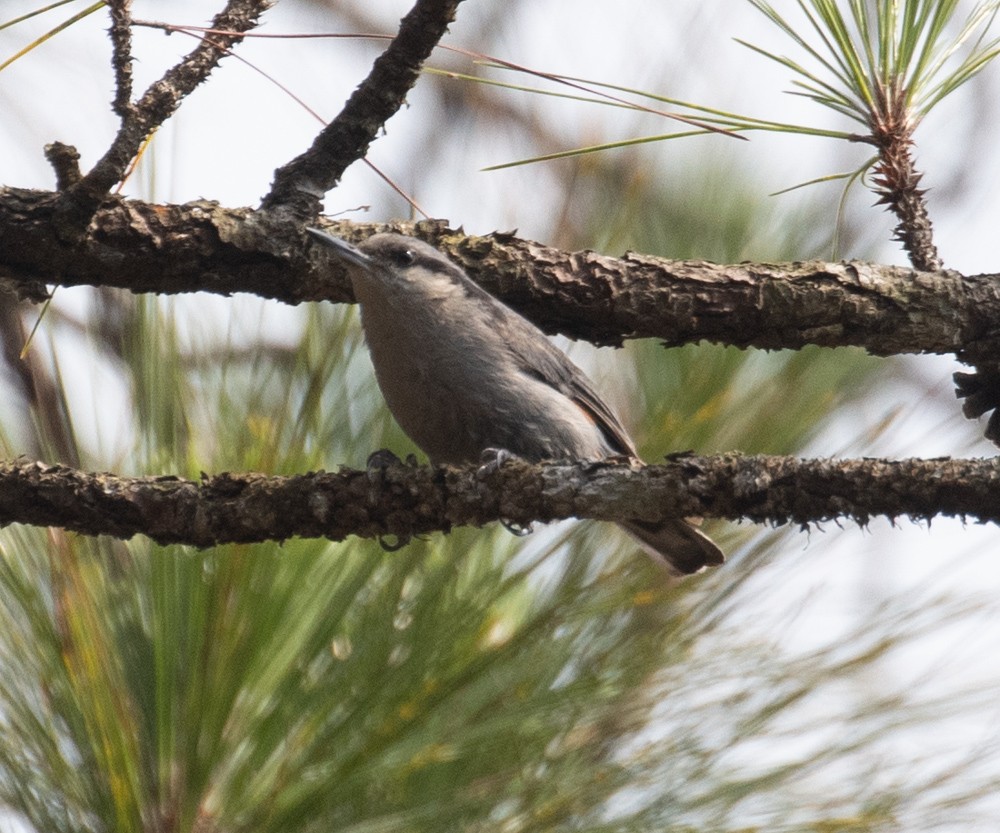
492, 459
381, 460
517, 529
376, 465
400, 542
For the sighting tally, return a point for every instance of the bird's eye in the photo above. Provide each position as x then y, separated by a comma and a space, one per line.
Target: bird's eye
403, 257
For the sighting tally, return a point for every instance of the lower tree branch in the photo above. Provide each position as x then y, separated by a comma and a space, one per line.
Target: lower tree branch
405, 500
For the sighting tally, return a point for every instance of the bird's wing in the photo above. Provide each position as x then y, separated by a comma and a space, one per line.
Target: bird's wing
550, 365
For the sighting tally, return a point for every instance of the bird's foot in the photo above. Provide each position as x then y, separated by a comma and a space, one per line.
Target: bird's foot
383, 459
492, 459
376, 465
516, 529
375, 468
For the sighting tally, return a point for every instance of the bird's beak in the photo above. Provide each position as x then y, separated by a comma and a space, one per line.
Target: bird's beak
342, 250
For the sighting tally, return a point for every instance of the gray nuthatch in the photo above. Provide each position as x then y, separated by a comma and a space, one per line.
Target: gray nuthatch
462, 373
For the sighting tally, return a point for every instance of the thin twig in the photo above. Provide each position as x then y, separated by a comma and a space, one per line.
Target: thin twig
897, 180
121, 58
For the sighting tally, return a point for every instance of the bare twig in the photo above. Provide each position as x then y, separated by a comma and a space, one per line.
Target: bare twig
404, 500
299, 186
65, 161
157, 104
121, 59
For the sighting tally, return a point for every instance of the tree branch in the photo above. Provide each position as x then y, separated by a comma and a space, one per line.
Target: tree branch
403, 500
299, 185
202, 246
157, 104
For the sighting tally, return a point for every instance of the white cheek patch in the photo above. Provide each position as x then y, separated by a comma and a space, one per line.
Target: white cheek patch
438, 285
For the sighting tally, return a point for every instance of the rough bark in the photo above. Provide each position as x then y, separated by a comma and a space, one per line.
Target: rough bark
896, 179
121, 57
403, 500
202, 246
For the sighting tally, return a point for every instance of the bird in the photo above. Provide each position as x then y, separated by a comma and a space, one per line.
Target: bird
463, 374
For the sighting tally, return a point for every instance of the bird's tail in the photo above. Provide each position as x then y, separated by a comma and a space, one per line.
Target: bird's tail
679, 545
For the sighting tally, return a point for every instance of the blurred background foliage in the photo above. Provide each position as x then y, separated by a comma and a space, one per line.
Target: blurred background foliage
473, 681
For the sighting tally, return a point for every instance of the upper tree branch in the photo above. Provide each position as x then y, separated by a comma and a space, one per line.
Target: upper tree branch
300, 184
157, 104
204, 247
404, 501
